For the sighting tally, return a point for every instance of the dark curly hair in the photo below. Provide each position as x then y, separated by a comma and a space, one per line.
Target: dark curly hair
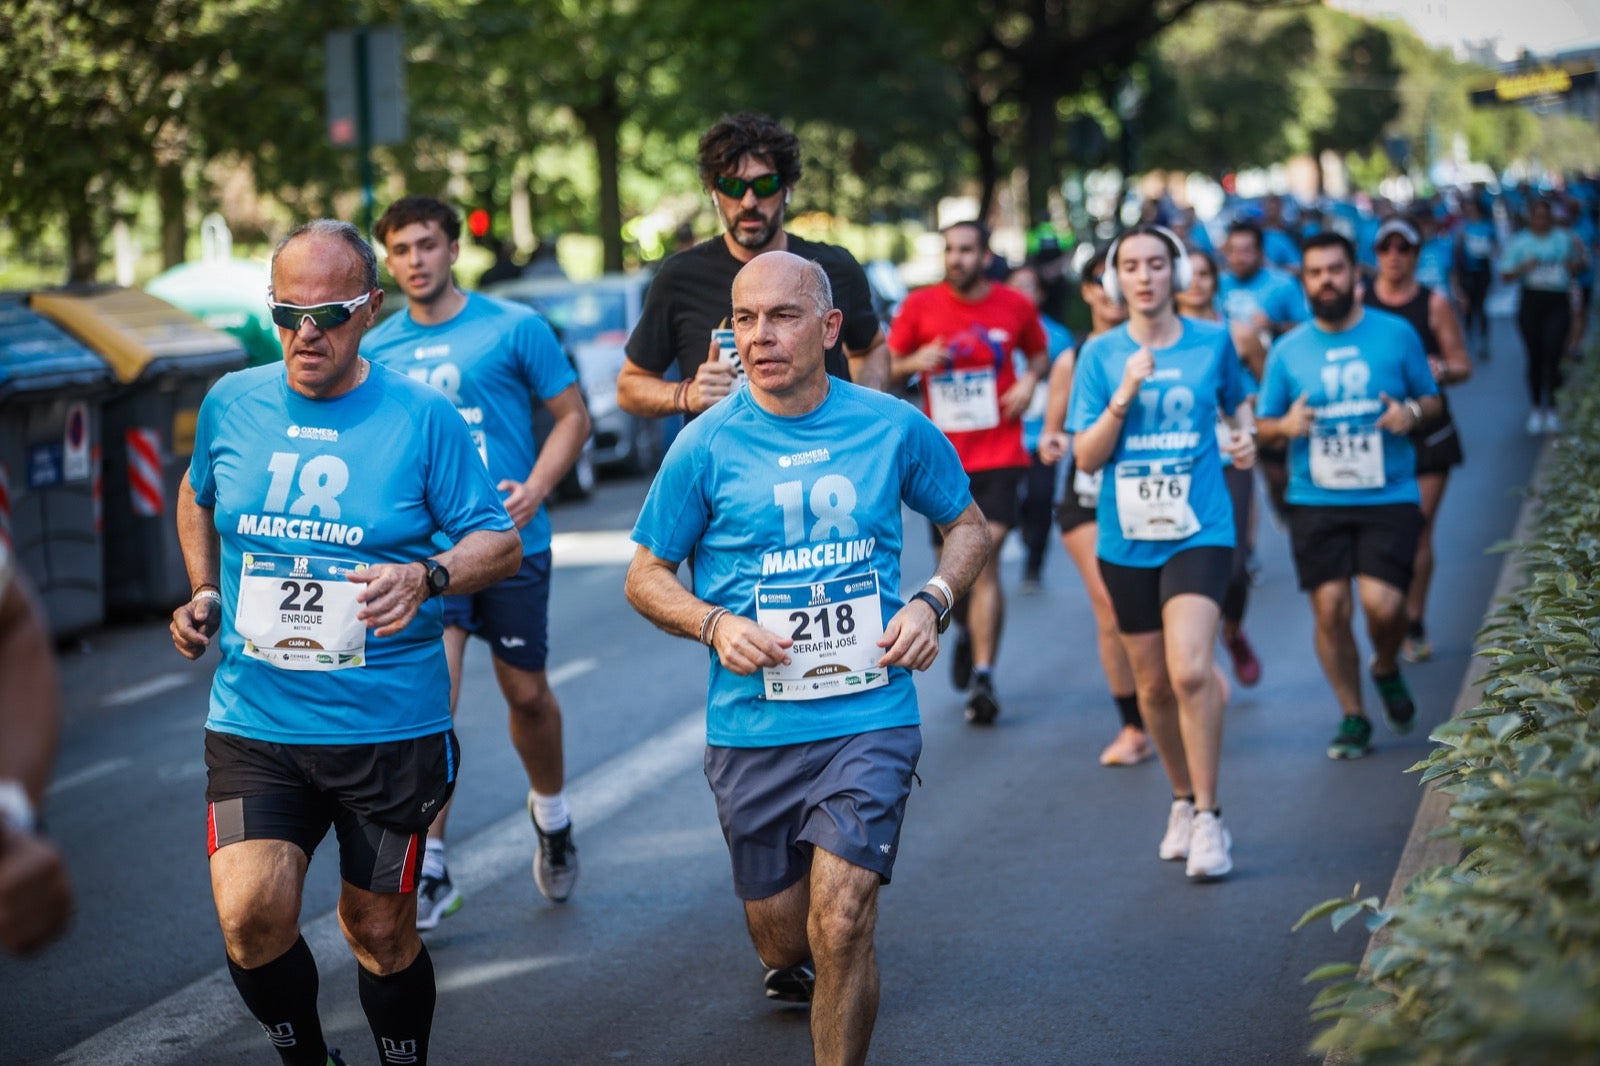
747, 133
424, 209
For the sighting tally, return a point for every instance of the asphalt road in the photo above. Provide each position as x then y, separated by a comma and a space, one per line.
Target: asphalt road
1029, 920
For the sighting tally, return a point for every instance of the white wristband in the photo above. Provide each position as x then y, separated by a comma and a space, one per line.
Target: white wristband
944, 589
207, 594
16, 810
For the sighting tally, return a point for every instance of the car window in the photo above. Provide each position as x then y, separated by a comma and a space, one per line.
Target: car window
585, 315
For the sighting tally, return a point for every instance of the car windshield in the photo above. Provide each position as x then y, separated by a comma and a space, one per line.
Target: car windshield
585, 315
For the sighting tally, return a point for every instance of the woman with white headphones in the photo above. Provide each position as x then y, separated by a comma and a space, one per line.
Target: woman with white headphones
1147, 399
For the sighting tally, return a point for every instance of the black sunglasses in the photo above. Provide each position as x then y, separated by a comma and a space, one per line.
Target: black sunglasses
323, 316
734, 188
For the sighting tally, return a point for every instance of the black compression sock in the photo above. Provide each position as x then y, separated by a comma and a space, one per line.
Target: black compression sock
283, 997
1415, 631
400, 1010
1189, 797
1128, 708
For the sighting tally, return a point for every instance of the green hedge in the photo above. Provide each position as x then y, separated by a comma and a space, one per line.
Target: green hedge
1497, 958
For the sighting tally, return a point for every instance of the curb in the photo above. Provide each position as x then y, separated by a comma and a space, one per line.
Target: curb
1423, 849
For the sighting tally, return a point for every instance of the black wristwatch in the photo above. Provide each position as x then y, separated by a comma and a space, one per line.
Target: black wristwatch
438, 577
941, 613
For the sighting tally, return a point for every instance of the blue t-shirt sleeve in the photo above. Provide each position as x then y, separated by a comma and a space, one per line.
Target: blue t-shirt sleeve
1234, 386
676, 511
540, 358
202, 476
1274, 399
460, 495
1090, 396
1289, 302
932, 482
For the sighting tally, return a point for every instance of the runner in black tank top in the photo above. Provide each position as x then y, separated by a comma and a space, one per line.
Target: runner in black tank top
1437, 442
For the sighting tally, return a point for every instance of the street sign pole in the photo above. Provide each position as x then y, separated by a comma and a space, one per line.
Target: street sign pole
364, 129
366, 97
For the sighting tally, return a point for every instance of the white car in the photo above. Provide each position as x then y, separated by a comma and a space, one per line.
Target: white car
593, 320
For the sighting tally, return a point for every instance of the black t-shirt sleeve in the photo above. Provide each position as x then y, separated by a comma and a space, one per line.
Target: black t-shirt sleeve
650, 344
853, 296
690, 296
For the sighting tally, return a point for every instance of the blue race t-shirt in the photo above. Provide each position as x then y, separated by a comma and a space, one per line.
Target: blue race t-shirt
490, 361
1162, 492
1268, 292
786, 514
1433, 262
1348, 460
302, 492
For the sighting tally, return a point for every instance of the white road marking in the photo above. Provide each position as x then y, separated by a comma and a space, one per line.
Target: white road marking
145, 689
604, 547
175, 1029
567, 671
92, 772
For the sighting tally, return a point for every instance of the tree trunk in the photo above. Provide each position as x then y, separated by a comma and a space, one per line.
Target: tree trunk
603, 123
1038, 151
83, 250
174, 226
985, 147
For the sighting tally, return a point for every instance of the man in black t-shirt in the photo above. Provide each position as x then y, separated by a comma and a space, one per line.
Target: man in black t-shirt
749, 165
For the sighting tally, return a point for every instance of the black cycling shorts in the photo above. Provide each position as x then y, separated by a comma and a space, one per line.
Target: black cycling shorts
1338, 543
379, 798
1139, 592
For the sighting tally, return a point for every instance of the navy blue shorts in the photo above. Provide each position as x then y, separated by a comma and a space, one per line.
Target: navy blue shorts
379, 799
846, 795
512, 615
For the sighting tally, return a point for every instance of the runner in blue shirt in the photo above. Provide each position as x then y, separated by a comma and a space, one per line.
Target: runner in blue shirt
1344, 391
1038, 486
1145, 404
1477, 244
310, 522
491, 359
788, 494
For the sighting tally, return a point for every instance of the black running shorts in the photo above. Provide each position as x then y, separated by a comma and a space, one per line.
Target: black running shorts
1338, 543
846, 795
1139, 592
379, 799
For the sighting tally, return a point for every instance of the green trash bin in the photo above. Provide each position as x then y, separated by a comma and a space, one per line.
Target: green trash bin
225, 294
164, 361
51, 387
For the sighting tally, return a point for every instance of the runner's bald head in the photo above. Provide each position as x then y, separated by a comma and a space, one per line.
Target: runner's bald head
805, 276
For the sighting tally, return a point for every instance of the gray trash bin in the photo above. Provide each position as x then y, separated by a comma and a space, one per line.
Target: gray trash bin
164, 360
51, 387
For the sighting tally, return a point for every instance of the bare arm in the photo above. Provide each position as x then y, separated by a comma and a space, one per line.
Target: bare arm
912, 636
35, 891
647, 394
869, 367
1094, 445
561, 449
1452, 364
202, 557
653, 588
1058, 400
394, 591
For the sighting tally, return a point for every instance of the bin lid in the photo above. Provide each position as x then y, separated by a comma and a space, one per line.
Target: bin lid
37, 355
225, 294
139, 334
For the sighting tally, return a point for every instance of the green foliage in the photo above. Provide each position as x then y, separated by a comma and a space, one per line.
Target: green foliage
1496, 959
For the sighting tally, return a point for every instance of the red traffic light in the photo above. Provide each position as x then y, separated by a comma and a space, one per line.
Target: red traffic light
478, 222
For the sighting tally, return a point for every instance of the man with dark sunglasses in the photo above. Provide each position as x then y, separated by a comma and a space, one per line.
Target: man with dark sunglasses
491, 358
749, 165
308, 522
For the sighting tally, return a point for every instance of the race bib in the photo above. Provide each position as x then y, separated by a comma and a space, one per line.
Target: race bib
964, 400
1346, 458
1087, 487
728, 351
835, 626
1479, 246
1153, 500
1547, 275
297, 612
1037, 403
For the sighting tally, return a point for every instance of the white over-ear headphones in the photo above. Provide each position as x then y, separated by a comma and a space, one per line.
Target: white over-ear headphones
1182, 269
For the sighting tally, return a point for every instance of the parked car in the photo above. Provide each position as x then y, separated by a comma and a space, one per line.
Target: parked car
593, 320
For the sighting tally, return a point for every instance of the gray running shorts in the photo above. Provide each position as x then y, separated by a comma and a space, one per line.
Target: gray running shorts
845, 795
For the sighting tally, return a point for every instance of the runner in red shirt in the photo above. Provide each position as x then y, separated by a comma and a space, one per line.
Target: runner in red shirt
958, 336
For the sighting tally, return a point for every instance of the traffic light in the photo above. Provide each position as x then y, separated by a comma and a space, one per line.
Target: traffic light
478, 223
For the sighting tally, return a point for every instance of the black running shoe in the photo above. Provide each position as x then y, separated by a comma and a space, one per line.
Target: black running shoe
982, 707
791, 984
961, 660
1399, 711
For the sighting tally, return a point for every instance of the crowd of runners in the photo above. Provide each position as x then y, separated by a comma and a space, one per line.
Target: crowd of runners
355, 514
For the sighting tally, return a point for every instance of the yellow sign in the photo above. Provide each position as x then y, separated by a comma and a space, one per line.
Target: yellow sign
184, 422
1551, 82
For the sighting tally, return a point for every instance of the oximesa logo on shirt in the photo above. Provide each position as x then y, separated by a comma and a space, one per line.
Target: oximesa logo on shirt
312, 433
815, 455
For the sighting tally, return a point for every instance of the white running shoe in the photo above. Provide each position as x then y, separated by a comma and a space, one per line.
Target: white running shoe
1208, 848
1552, 421
1535, 424
1180, 826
